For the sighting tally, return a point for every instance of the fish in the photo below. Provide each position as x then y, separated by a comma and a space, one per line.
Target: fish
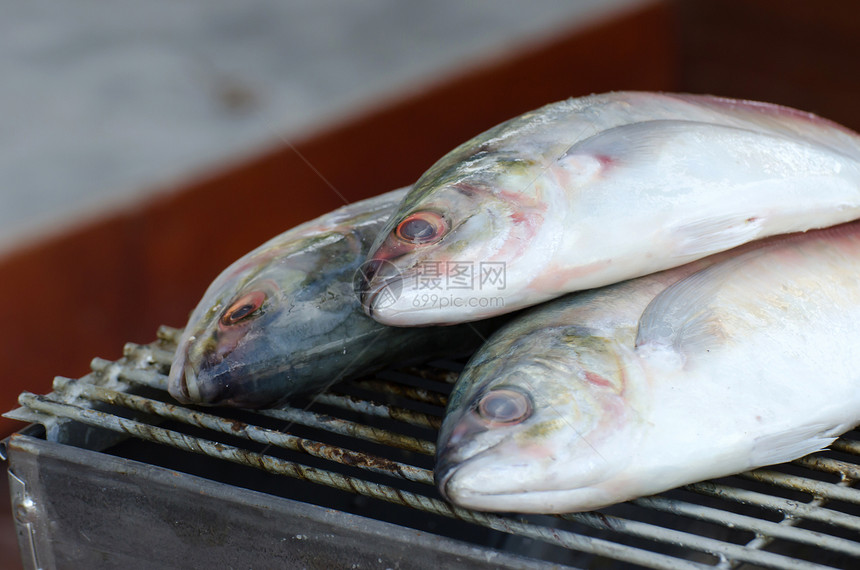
685, 375
596, 190
284, 319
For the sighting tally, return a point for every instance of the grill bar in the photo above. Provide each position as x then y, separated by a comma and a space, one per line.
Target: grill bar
254, 433
704, 544
145, 365
425, 476
397, 389
408, 472
760, 527
136, 375
846, 471
778, 504
345, 427
846, 446
441, 377
274, 465
293, 415
777, 530
380, 410
760, 541
806, 485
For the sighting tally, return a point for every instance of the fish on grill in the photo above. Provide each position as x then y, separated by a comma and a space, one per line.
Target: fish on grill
285, 319
592, 191
643, 386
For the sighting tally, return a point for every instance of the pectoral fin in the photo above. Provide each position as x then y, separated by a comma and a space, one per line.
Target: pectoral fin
791, 444
711, 235
682, 317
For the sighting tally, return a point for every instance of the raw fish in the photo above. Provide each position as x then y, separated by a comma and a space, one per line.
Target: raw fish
588, 401
285, 319
592, 191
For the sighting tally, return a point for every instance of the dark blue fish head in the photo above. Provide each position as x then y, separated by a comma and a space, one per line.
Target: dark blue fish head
284, 318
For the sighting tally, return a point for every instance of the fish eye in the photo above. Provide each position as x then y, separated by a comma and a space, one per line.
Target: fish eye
504, 406
421, 227
243, 307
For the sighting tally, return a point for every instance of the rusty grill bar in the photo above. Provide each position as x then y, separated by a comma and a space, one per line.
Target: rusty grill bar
374, 437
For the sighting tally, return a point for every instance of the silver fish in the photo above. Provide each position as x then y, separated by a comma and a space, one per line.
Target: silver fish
589, 401
285, 318
592, 191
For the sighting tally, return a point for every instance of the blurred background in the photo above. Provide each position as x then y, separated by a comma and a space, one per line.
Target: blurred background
146, 145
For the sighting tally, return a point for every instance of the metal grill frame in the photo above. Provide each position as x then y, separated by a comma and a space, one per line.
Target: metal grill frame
53, 476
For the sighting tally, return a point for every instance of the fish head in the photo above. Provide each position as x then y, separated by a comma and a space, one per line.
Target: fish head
257, 319
224, 344
464, 233
537, 429
218, 351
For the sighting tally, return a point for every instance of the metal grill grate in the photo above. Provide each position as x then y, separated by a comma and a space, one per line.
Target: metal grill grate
366, 447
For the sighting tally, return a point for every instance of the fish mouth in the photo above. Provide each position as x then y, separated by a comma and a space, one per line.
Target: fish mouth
506, 491
549, 501
188, 383
445, 468
378, 283
381, 295
445, 471
471, 497
367, 297
448, 461
182, 384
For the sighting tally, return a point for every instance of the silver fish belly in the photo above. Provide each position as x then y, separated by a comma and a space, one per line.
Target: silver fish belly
633, 389
285, 319
592, 191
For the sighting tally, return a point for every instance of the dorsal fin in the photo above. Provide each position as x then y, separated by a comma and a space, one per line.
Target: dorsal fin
634, 141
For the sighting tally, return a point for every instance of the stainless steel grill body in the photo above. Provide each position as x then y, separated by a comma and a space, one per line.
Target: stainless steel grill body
121, 476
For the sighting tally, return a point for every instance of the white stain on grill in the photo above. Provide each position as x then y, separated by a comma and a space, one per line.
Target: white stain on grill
146, 365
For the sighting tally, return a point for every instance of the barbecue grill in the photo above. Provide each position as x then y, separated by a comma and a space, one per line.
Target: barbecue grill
112, 472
